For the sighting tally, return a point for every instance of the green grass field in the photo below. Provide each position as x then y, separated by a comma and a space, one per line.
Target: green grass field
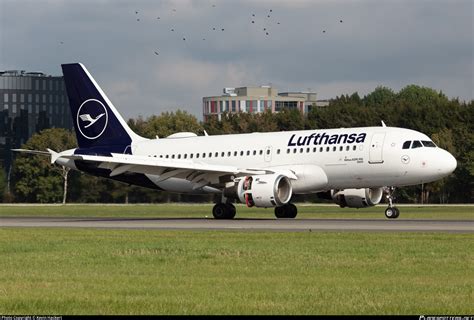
94, 271
203, 210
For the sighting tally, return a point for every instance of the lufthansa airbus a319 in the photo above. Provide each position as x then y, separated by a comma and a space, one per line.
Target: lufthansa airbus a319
352, 166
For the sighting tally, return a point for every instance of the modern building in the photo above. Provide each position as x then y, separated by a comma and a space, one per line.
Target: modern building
255, 100
29, 103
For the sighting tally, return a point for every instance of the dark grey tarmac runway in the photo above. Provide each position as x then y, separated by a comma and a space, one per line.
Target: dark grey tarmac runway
375, 225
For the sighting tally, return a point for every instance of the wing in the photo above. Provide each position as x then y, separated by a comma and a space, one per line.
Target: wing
86, 117
199, 173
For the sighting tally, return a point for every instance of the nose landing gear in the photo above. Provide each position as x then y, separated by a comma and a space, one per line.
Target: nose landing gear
391, 212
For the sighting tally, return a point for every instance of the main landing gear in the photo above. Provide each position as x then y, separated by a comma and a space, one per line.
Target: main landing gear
391, 212
223, 211
288, 210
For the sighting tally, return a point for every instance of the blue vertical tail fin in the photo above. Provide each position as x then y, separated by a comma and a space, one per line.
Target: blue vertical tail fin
100, 129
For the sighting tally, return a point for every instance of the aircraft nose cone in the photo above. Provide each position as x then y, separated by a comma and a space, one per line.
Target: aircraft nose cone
451, 163
448, 163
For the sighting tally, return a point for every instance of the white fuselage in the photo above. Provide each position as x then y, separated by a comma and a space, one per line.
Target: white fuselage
379, 160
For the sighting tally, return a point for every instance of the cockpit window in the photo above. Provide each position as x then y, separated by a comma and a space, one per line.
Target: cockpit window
429, 144
416, 144
406, 145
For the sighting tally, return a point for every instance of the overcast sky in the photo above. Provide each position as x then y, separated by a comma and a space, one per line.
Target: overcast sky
389, 43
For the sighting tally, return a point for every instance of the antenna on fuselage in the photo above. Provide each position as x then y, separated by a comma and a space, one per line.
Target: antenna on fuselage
383, 123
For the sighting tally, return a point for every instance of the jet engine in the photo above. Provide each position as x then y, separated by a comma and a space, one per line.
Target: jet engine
268, 190
357, 198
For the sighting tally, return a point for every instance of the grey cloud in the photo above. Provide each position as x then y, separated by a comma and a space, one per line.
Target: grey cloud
393, 43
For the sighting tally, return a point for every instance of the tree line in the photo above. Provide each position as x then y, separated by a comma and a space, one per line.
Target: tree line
449, 122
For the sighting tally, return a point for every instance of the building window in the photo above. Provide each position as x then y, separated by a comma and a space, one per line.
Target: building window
234, 109
5, 97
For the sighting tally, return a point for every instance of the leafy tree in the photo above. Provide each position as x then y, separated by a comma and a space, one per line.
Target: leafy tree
37, 180
166, 124
380, 97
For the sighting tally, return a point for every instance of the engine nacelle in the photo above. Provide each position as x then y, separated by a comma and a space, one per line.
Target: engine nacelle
358, 198
268, 190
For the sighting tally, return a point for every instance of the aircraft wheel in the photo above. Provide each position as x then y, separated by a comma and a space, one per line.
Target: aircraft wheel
231, 210
397, 212
288, 210
280, 212
223, 211
291, 210
390, 213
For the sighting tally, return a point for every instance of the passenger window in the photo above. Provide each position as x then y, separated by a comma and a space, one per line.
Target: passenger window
301, 150
314, 149
261, 152
348, 148
179, 156
268, 151
287, 150
354, 148
172, 157
241, 153
333, 149
278, 151
321, 149
210, 154
416, 144
429, 144
248, 152
203, 155
307, 150
229, 154
327, 149
294, 150
191, 156
341, 148
167, 156
406, 145
255, 152
185, 156
217, 154
197, 155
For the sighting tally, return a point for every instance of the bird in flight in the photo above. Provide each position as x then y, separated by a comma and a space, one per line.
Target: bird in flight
87, 117
156, 53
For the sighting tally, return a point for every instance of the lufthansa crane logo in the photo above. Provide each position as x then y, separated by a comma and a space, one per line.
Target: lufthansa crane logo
92, 119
